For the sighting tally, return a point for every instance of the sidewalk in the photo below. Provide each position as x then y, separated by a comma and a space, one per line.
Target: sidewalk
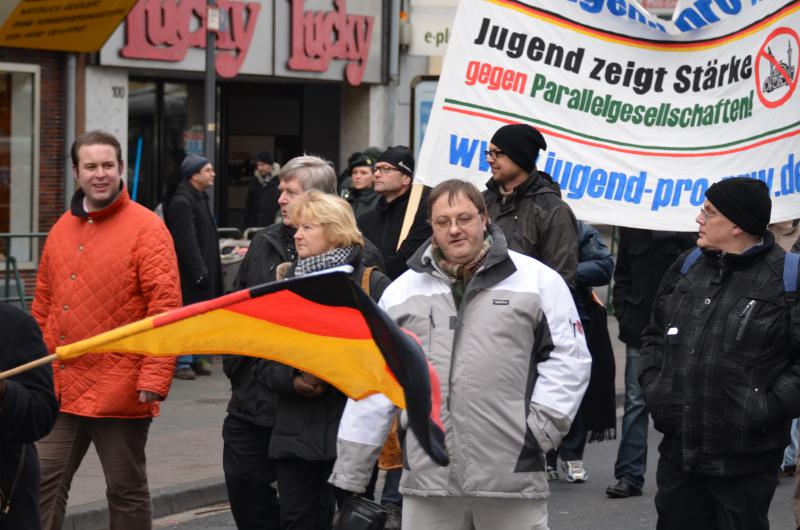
184, 451
184, 456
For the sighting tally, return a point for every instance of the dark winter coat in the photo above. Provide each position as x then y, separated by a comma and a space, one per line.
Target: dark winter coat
192, 226
362, 201
251, 400
28, 410
262, 201
643, 258
537, 223
306, 428
720, 362
796, 246
595, 264
595, 269
383, 225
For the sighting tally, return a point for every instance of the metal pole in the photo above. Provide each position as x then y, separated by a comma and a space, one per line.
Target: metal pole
210, 113
212, 25
69, 127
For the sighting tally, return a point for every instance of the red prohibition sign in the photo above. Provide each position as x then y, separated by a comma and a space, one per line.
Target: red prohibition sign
792, 83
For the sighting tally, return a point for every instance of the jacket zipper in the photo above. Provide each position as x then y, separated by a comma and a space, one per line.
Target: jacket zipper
745, 316
430, 330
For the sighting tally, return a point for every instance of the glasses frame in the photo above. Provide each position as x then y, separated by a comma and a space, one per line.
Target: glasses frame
461, 223
494, 154
384, 170
706, 215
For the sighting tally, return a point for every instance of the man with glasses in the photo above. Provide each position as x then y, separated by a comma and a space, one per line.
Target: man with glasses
720, 366
503, 334
526, 204
394, 173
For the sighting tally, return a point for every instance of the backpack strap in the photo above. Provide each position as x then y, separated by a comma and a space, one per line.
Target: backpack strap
365, 279
690, 260
791, 266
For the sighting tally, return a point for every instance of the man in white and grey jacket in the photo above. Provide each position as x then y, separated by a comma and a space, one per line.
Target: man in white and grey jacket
504, 336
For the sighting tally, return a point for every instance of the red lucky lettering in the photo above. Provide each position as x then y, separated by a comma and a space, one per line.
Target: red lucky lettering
160, 30
319, 36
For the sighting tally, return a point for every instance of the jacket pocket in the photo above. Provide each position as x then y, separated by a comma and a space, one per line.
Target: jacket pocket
754, 329
744, 399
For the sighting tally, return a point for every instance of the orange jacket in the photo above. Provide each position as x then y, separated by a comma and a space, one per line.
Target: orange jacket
99, 271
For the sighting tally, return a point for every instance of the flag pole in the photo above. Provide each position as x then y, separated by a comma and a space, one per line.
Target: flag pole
28, 366
411, 211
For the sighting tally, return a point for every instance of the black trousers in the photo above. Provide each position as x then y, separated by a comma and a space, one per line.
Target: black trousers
307, 500
689, 501
249, 474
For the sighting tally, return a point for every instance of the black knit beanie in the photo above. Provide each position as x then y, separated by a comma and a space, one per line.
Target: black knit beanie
265, 157
192, 164
744, 201
400, 157
521, 143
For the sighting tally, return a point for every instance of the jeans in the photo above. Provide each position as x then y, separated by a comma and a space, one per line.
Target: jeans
574, 442
632, 453
391, 487
790, 454
185, 360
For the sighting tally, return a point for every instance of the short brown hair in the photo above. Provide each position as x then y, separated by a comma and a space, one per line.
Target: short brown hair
332, 212
453, 188
95, 138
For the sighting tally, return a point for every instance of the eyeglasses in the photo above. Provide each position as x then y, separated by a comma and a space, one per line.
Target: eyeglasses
493, 153
706, 215
462, 221
384, 170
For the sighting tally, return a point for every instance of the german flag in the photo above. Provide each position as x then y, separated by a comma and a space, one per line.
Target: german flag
323, 324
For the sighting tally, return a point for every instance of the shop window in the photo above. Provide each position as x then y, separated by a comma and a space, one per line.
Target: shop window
183, 127
143, 174
19, 159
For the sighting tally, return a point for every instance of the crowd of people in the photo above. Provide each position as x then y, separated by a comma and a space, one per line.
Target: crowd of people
497, 286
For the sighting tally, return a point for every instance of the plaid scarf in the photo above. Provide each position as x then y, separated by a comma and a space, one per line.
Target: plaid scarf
461, 274
326, 260
465, 271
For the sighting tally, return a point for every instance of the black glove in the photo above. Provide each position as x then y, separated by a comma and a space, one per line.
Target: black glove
359, 513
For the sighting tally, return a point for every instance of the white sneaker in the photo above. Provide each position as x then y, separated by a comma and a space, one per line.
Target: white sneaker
573, 471
552, 473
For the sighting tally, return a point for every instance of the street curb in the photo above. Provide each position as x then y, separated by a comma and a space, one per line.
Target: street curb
166, 501
169, 500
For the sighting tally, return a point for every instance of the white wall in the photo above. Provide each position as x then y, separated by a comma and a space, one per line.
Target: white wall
107, 103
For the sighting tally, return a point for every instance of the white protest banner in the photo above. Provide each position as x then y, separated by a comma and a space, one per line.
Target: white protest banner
640, 115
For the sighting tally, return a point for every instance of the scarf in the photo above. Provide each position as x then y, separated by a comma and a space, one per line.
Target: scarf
326, 260
459, 274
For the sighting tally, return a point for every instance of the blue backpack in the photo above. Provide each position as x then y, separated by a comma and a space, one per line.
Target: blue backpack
791, 266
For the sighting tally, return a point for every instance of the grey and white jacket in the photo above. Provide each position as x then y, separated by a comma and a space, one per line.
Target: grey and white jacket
513, 365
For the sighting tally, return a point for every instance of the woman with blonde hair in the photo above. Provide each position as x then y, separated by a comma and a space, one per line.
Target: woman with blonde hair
303, 440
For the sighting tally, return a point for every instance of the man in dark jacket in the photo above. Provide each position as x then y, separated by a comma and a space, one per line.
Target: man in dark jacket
262, 193
526, 204
194, 232
394, 173
721, 366
249, 472
643, 258
28, 410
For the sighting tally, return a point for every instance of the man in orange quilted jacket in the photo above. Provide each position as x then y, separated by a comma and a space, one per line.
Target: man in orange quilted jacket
107, 262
